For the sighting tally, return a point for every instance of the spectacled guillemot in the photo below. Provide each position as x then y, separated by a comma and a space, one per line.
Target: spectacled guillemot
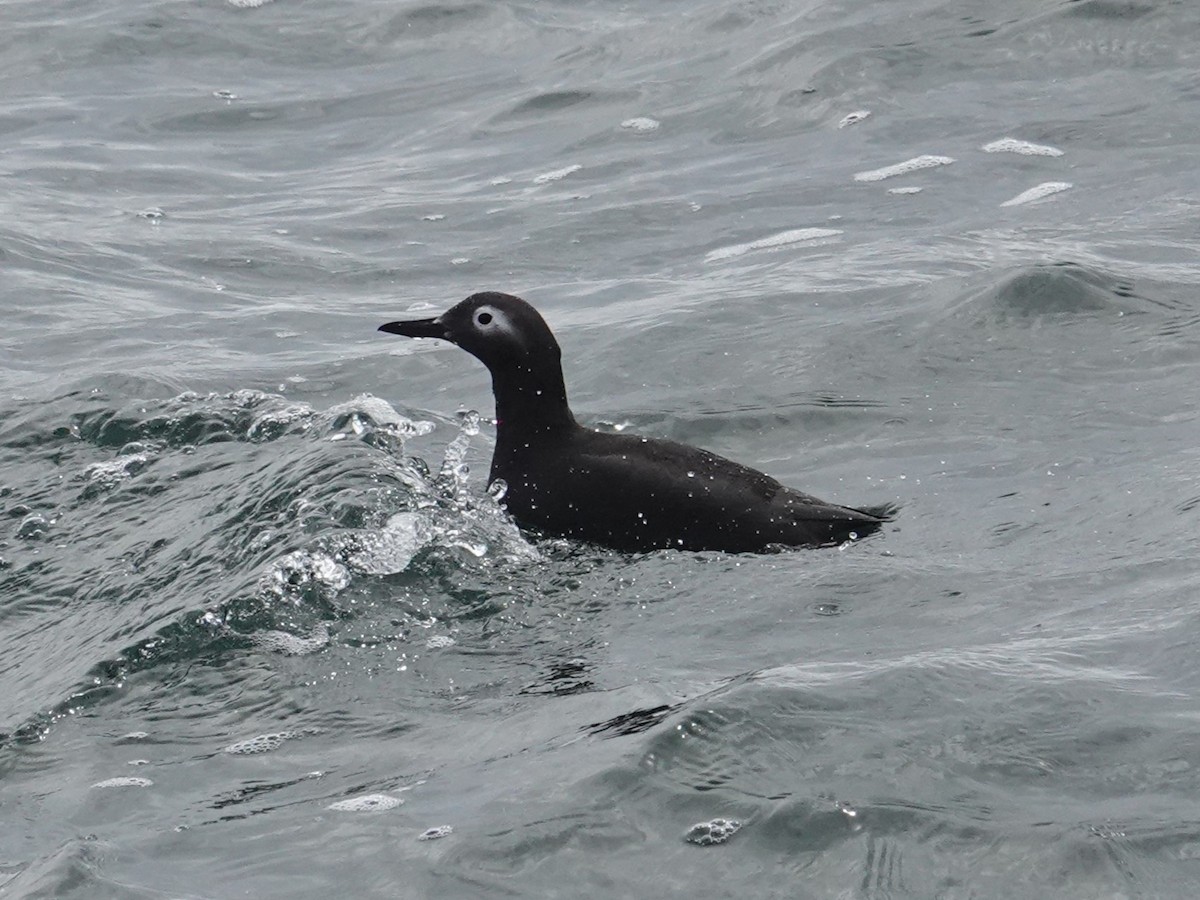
617, 490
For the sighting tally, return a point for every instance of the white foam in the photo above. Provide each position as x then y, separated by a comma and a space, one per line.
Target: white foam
366, 803
557, 174
1025, 148
108, 474
909, 165
774, 242
716, 831
437, 831
127, 781
1045, 189
904, 190
641, 123
854, 118
260, 743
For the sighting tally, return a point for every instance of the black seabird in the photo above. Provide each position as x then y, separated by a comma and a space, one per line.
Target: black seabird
617, 490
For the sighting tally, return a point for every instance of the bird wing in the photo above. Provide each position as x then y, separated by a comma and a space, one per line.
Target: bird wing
676, 477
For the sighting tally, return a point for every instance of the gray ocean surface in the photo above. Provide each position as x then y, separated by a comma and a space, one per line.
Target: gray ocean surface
264, 632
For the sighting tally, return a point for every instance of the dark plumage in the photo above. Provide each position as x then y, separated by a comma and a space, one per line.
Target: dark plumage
617, 490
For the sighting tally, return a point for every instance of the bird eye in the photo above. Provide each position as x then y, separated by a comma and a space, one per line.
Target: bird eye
484, 318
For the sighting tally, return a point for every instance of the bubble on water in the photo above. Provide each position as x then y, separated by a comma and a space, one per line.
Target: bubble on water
641, 123
433, 217
153, 215
223, 94
716, 831
366, 803
498, 489
557, 174
436, 832
126, 781
1039, 192
260, 743
854, 118
1025, 148
133, 736
903, 168
439, 642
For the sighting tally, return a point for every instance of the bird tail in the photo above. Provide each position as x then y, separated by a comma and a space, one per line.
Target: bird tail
885, 512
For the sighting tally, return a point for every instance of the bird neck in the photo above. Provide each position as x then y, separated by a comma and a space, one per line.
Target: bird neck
531, 403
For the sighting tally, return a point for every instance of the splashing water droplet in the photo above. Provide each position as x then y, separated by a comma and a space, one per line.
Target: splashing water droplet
468, 421
498, 489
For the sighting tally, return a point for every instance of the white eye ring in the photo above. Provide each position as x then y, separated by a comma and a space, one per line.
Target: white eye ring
486, 318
